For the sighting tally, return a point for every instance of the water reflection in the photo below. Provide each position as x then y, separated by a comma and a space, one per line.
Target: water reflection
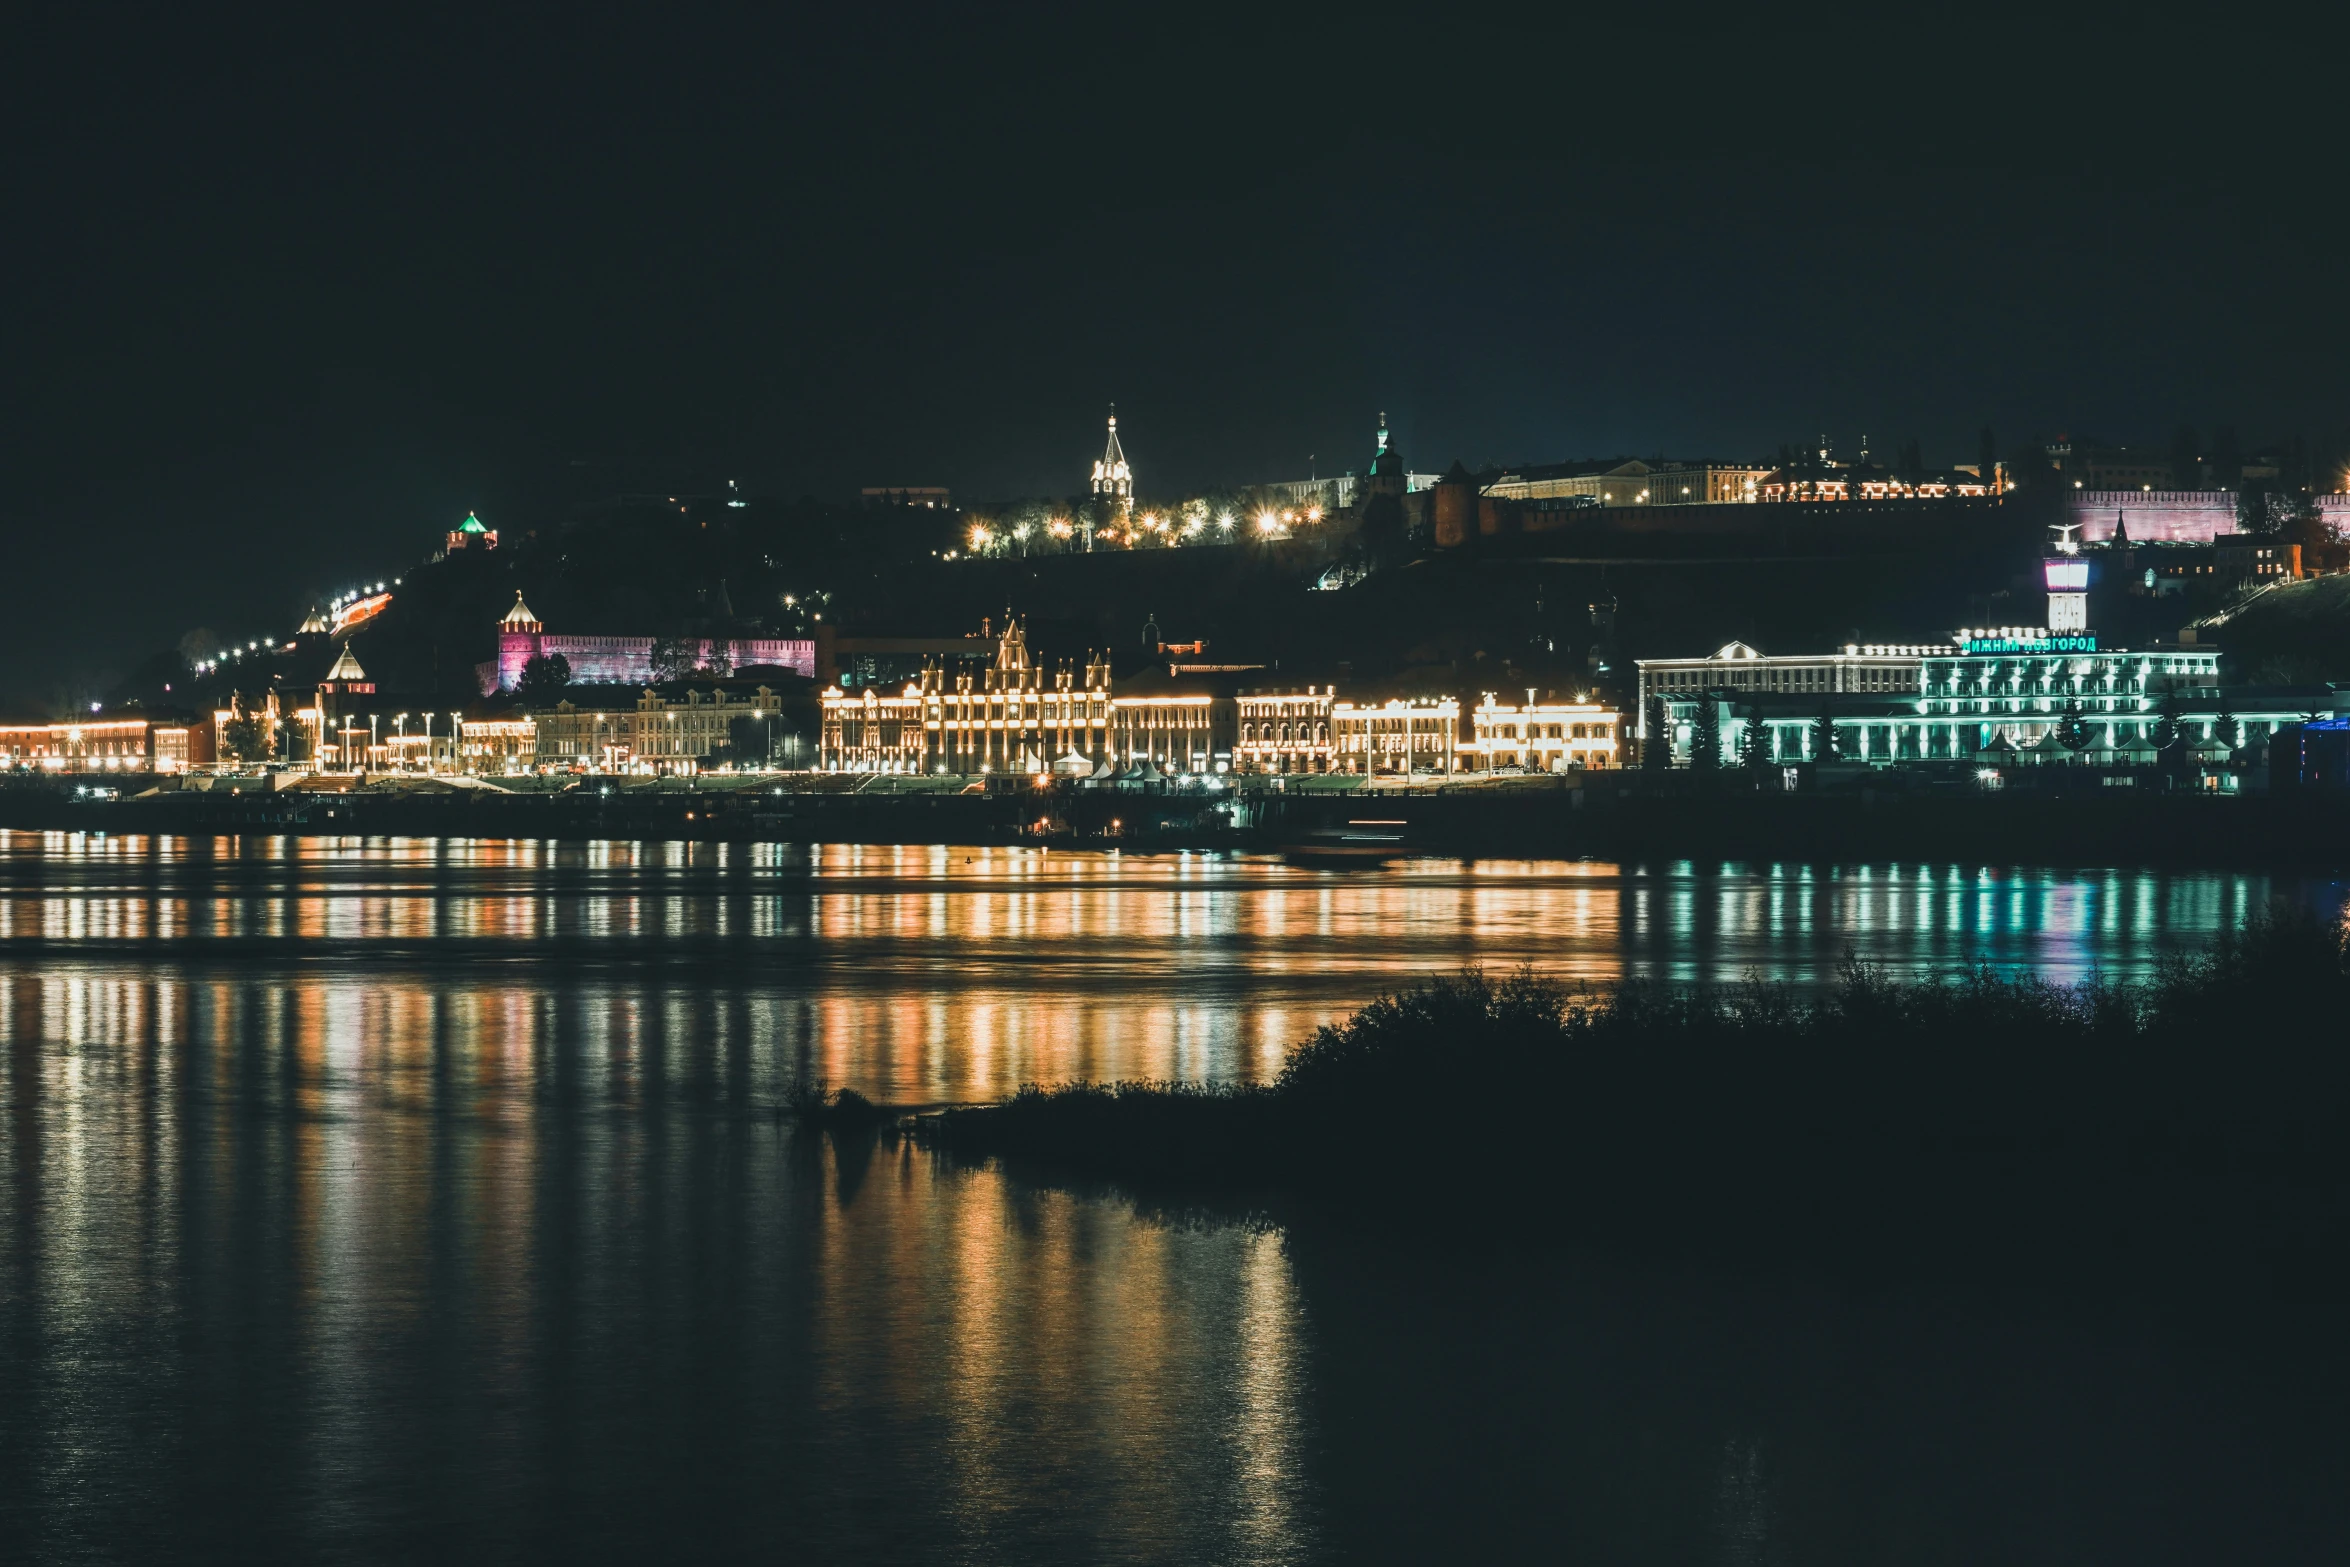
930, 974
414, 1200
274, 1292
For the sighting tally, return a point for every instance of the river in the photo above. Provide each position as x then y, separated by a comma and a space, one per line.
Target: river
385, 1200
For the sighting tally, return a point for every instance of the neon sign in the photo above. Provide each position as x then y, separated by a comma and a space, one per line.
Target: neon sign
2083, 643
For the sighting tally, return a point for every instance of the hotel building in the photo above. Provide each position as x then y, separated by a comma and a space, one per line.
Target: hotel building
1284, 731
1541, 737
1400, 738
99, 745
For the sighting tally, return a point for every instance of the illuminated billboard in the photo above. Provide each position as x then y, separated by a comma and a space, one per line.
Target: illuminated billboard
2067, 574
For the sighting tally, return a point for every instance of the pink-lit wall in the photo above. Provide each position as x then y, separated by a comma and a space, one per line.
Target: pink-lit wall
628, 661
2156, 516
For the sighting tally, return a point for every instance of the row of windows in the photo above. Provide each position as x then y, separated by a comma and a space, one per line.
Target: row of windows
1796, 678
1553, 732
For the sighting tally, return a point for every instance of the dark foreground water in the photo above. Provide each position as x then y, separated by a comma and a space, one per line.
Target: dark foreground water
421, 1201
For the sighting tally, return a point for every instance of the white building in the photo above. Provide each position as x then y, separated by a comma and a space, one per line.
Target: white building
1541, 737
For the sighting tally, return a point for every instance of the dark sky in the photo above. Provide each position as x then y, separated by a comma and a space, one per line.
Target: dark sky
290, 297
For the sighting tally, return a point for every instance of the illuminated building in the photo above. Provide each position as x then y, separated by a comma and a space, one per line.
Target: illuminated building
471, 534
1011, 716
589, 729
1284, 731
1604, 483
1871, 668
174, 748
628, 661
489, 746
1385, 476
2264, 562
680, 734
1396, 738
315, 624
1542, 737
1991, 692
1827, 481
866, 732
1633, 483
1176, 720
337, 719
109, 745
1113, 479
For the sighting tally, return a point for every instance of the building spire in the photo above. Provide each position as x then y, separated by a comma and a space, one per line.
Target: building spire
1113, 479
1382, 451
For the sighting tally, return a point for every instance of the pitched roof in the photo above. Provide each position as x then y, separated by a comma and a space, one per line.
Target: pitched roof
346, 667
520, 614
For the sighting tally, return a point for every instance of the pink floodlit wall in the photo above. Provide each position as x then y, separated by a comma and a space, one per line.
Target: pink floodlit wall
628, 661
2155, 516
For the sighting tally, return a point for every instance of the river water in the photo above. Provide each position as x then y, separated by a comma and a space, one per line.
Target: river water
390, 1200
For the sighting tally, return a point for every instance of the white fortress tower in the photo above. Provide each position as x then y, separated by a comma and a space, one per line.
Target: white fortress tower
2067, 578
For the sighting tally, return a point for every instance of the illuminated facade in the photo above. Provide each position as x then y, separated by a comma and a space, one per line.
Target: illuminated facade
1830, 482
1178, 723
1396, 739
1012, 716
1997, 691
577, 734
488, 746
1633, 483
1541, 737
112, 745
1874, 669
1284, 731
335, 721
680, 734
628, 661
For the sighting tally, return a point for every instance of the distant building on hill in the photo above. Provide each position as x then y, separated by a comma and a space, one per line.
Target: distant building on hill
472, 534
1631, 482
924, 497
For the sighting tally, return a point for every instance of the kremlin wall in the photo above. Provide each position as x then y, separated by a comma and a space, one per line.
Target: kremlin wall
628, 661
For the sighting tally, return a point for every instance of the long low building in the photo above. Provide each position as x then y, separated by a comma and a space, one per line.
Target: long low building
100, 745
2025, 690
1188, 720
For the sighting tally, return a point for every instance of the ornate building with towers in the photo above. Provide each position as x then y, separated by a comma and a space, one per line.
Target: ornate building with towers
1014, 716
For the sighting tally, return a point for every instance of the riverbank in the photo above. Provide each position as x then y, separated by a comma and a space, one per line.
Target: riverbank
2204, 1116
1623, 816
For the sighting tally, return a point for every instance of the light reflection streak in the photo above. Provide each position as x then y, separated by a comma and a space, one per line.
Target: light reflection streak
928, 973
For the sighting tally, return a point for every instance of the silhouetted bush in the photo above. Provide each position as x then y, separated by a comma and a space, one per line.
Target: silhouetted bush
814, 1103
2001, 1106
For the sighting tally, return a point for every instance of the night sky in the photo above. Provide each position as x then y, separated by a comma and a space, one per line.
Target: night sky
291, 298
